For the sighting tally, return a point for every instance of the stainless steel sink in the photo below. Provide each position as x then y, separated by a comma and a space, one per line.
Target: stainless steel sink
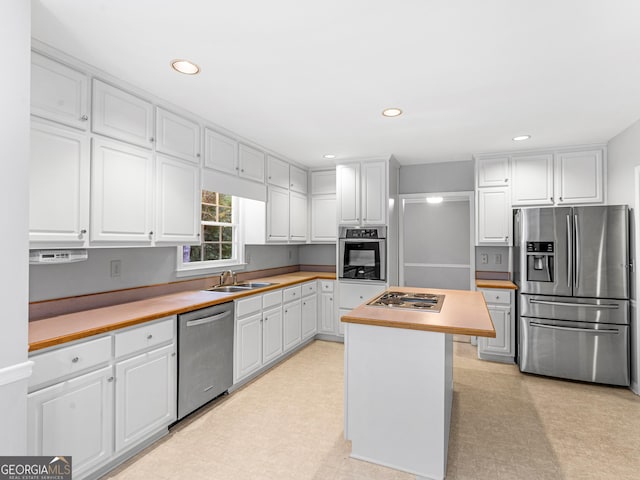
256, 284
228, 289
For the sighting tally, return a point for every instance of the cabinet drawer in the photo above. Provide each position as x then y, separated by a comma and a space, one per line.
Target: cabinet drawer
326, 286
271, 299
495, 295
50, 366
249, 305
352, 295
309, 288
145, 336
291, 294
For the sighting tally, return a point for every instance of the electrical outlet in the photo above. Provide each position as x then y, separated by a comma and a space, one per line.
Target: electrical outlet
116, 268
497, 259
484, 258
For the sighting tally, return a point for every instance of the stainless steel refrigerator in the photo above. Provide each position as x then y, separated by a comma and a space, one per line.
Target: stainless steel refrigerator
571, 265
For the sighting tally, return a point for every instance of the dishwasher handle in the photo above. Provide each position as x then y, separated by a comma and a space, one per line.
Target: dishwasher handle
205, 320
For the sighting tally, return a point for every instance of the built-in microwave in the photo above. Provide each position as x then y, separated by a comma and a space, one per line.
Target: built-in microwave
362, 253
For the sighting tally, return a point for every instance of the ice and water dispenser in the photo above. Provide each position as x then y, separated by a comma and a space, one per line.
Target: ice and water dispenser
540, 261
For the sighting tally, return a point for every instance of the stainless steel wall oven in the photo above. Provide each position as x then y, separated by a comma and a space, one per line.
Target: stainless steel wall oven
362, 253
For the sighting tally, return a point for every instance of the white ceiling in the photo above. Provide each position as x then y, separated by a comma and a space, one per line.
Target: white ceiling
307, 78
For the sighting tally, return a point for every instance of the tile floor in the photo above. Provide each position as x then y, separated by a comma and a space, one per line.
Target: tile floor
288, 424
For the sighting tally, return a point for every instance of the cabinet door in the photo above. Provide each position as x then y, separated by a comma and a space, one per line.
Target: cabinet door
341, 313
348, 185
277, 172
492, 171
297, 217
324, 224
327, 322
177, 136
502, 344
374, 193
120, 115
494, 216
248, 350
271, 334
309, 316
298, 179
74, 417
121, 193
251, 163
292, 319
277, 215
220, 152
58, 92
145, 396
580, 177
58, 185
532, 180
177, 201
323, 182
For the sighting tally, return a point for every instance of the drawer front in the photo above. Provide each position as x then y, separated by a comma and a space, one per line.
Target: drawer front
50, 366
326, 286
496, 295
247, 306
309, 288
272, 299
291, 294
145, 336
352, 295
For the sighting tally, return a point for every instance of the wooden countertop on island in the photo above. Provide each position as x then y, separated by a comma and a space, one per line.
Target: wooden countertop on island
463, 312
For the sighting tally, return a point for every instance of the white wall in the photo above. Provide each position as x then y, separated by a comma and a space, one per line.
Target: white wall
15, 31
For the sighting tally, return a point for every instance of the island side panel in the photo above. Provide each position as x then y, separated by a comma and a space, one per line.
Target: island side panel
398, 391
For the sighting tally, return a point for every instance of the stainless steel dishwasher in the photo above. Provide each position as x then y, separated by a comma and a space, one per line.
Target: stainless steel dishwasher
205, 356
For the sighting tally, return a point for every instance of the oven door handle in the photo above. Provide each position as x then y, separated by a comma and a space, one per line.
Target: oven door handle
608, 331
610, 306
205, 320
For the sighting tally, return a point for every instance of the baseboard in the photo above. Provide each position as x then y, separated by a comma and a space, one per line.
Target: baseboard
330, 338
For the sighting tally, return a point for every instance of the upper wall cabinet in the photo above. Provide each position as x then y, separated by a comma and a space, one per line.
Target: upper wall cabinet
251, 163
362, 193
277, 172
492, 171
177, 136
298, 179
121, 115
58, 185
532, 179
580, 177
323, 182
59, 93
221, 152
323, 206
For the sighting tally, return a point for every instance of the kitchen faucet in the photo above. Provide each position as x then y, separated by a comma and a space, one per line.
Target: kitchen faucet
226, 274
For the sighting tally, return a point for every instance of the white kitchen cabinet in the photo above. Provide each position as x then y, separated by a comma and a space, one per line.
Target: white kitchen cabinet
323, 182
324, 226
277, 214
177, 136
532, 179
75, 417
121, 193
58, 92
297, 217
121, 115
309, 325
59, 176
493, 220
298, 179
248, 351
271, 334
145, 396
362, 193
580, 177
177, 201
502, 347
327, 323
292, 324
251, 163
492, 171
352, 295
220, 152
277, 172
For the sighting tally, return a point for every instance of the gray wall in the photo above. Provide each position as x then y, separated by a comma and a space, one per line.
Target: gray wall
493, 264
623, 157
437, 177
317, 254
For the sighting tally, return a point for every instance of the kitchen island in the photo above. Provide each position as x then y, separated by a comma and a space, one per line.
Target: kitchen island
399, 377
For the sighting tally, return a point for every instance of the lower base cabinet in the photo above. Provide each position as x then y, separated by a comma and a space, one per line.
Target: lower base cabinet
271, 334
502, 347
292, 324
248, 354
309, 316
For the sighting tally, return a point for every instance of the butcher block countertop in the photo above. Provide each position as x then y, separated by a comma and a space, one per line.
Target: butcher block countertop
52, 331
463, 313
496, 284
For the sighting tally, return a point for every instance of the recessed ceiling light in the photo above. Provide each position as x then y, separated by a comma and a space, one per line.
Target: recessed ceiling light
185, 66
434, 199
329, 155
520, 138
391, 112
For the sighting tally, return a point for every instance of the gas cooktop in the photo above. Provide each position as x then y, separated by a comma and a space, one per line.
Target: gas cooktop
426, 302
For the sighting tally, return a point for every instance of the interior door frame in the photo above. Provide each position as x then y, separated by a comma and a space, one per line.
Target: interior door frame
469, 196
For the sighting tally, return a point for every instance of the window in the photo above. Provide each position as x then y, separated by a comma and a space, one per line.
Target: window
219, 234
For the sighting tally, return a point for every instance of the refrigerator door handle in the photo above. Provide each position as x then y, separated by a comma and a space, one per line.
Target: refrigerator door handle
571, 304
609, 331
569, 252
576, 235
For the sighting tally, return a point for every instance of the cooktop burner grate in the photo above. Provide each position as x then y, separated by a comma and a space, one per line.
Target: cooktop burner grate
428, 302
